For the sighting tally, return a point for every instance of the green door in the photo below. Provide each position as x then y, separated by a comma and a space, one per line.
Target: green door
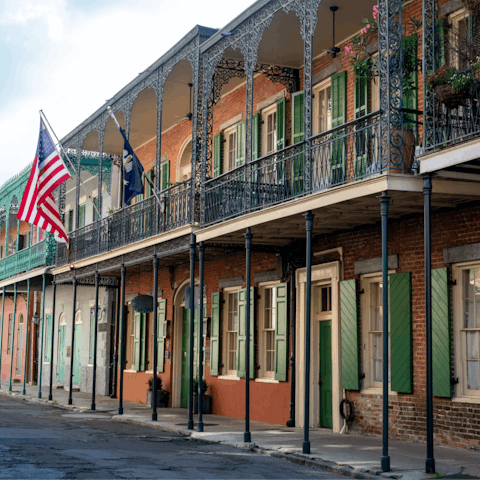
61, 354
185, 357
77, 353
326, 374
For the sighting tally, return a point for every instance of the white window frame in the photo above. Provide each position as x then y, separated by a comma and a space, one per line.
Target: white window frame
323, 85
374, 98
462, 393
370, 387
265, 113
226, 148
454, 19
228, 373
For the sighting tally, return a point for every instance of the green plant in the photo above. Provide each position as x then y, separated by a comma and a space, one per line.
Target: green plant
461, 82
437, 474
448, 75
476, 62
162, 394
195, 386
159, 383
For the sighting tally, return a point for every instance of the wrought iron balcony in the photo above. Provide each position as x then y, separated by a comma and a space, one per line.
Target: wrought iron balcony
344, 154
132, 224
35, 256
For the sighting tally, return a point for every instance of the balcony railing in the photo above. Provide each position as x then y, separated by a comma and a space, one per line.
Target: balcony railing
347, 153
457, 123
25, 260
132, 224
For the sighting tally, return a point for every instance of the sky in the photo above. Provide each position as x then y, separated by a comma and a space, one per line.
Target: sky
67, 57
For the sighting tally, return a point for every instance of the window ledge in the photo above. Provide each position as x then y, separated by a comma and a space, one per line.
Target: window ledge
376, 391
266, 380
149, 371
465, 399
228, 377
130, 371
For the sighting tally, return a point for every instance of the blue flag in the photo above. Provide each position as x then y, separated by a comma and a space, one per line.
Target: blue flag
132, 172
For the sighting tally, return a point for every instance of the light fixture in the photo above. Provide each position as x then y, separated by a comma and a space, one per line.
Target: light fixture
333, 50
143, 303
189, 115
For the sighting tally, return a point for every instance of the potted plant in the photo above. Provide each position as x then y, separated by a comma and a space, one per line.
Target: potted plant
451, 87
207, 399
162, 395
476, 67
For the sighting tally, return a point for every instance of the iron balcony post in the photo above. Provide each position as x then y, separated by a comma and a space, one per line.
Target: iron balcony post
95, 340
291, 420
1, 334
385, 199
41, 338
427, 192
155, 337
13, 335
72, 348
26, 339
247, 437
53, 337
122, 340
192, 319
201, 254
309, 226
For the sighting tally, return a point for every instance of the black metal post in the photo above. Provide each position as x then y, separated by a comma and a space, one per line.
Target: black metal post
291, 420
155, 338
72, 348
247, 437
201, 254
13, 335
309, 226
193, 239
26, 341
122, 340
95, 340
50, 396
427, 192
385, 199
1, 334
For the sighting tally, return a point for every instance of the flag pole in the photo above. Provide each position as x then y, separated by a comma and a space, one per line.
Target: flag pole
69, 161
154, 190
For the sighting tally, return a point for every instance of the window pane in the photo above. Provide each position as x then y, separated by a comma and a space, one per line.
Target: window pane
472, 375
268, 308
376, 299
472, 345
270, 351
469, 313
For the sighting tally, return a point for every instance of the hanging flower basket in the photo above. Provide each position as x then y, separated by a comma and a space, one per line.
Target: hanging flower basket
448, 96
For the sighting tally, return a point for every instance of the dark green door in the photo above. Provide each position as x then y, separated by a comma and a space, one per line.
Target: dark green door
326, 374
185, 357
61, 354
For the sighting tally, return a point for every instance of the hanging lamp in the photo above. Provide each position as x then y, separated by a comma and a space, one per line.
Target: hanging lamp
333, 50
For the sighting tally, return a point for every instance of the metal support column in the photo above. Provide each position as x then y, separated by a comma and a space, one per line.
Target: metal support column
72, 348
26, 339
427, 192
13, 335
247, 437
309, 226
122, 340
193, 240
40, 360
50, 395
95, 340
155, 338
385, 199
201, 254
1, 335
291, 420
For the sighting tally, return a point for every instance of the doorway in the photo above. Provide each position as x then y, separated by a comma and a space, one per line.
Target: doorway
325, 377
18, 370
77, 348
61, 349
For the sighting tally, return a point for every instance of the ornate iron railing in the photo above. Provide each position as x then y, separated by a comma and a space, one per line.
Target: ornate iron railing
132, 224
25, 260
346, 153
451, 125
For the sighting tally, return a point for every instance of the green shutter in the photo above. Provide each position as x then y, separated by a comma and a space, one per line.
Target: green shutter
441, 43
441, 355
81, 217
297, 117
143, 342
410, 96
361, 138
161, 319
349, 332
165, 175
339, 117
281, 334
241, 333
281, 124
401, 333
256, 136
92, 334
240, 147
48, 340
66, 222
148, 188
137, 327
215, 334
217, 154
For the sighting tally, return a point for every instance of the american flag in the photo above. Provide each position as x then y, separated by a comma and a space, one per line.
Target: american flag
48, 172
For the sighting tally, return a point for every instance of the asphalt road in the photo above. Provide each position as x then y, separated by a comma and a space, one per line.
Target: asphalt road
38, 441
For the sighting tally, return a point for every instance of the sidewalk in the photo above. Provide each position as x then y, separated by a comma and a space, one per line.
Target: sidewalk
352, 454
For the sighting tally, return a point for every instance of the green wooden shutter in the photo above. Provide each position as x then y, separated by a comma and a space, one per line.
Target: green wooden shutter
441, 43
256, 136
215, 334
143, 342
281, 334
339, 117
92, 334
441, 343
240, 147
137, 327
48, 340
252, 332
161, 319
410, 96
281, 124
81, 217
401, 333
349, 332
165, 175
297, 117
361, 139
148, 188
241, 333
217, 154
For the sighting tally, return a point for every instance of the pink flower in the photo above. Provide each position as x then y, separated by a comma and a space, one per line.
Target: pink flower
368, 26
375, 12
348, 50
363, 31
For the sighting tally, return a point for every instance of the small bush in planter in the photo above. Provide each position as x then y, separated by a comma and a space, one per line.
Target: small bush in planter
162, 395
207, 399
195, 386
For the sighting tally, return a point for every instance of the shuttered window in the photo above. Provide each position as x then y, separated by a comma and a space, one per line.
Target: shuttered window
361, 137
281, 124
281, 333
410, 83
215, 334
165, 174
297, 118
81, 215
148, 188
240, 149
217, 154
256, 136
161, 333
241, 336
139, 337
231, 331
48, 340
92, 335
339, 117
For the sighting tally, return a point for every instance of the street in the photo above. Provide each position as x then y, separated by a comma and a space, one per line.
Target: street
38, 441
